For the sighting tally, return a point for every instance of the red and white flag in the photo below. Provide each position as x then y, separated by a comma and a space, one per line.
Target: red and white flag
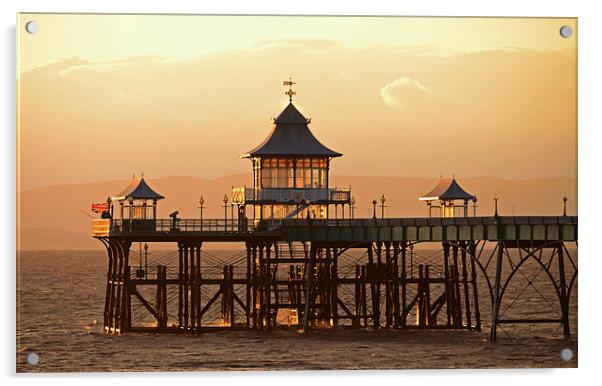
99, 208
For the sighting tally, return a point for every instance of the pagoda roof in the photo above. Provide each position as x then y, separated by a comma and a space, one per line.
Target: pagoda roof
138, 189
447, 189
291, 137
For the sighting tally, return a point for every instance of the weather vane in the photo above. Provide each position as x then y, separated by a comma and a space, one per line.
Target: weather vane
290, 91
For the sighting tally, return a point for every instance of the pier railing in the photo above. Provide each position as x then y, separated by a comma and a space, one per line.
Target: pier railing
536, 228
105, 227
434, 221
118, 226
242, 195
525, 228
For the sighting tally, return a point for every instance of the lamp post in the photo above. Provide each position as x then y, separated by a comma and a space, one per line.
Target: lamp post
232, 213
564, 200
474, 206
130, 214
225, 200
495, 198
352, 207
374, 209
382, 205
201, 207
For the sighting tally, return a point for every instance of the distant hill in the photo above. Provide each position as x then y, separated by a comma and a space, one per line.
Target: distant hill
50, 217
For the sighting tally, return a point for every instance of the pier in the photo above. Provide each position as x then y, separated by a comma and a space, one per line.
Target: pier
280, 269
306, 262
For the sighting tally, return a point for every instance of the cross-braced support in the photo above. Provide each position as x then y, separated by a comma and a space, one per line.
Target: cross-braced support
551, 258
322, 283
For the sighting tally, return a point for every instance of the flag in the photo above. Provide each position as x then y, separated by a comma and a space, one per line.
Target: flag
99, 208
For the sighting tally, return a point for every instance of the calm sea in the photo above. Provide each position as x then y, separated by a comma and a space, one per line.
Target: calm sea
60, 298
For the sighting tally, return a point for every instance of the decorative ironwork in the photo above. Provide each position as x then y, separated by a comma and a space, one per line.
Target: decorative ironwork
290, 91
244, 195
326, 273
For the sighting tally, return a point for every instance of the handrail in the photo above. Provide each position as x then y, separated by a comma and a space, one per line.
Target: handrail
241, 195
435, 221
181, 225
118, 226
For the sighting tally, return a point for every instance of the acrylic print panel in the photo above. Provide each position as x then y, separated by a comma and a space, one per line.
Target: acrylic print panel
270, 193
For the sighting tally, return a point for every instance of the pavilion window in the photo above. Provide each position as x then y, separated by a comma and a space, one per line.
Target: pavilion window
307, 178
290, 177
315, 178
310, 173
266, 178
299, 173
277, 173
274, 177
323, 178
288, 173
281, 175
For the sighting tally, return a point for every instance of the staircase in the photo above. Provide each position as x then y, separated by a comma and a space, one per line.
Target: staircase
274, 224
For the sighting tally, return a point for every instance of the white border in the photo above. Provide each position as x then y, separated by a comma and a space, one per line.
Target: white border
590, 126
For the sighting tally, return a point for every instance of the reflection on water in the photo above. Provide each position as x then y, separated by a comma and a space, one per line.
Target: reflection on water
59, 317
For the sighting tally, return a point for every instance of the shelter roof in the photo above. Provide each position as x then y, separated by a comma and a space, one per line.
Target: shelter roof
291, 137
138, 189
447, 189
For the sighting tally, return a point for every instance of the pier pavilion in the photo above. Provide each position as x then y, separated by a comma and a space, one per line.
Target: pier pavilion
301, 268
137, 205
447, 193
290, 172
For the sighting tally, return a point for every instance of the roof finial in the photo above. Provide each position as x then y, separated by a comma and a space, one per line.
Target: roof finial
454, 176
290, 91
141, 174
440, 176
133, 175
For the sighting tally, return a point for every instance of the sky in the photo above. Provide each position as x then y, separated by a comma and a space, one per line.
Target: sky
103, 96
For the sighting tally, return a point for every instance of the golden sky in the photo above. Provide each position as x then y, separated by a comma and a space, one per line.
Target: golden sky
102, 96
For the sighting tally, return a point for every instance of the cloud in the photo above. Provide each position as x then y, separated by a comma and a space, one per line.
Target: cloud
313, 44
196, 110
404, 93
64, 68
